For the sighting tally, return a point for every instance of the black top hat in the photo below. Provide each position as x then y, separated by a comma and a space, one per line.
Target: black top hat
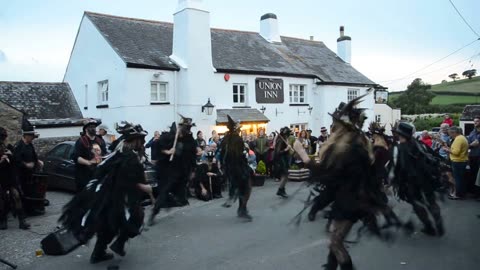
405, 130
28, 129
285, 131
91, 121
130, 131
210, 154
185, 121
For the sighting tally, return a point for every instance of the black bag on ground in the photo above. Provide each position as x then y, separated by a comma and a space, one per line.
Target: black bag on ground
60, 242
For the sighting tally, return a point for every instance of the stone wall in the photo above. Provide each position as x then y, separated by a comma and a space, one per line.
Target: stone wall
42, 146
11, 120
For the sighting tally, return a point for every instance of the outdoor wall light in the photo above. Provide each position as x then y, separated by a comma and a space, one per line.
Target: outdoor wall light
208, 107
263, 109
310, 109
277, 112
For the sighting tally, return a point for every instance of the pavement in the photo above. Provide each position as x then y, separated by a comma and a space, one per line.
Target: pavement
205, 235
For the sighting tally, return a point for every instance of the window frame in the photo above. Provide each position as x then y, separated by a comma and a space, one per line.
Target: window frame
103, 99
238, 94
299, 88
350, 96
158, 84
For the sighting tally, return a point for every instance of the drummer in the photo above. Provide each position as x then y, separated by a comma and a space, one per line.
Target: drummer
26, 159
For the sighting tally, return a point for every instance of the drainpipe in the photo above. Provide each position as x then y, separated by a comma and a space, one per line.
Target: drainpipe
175, 95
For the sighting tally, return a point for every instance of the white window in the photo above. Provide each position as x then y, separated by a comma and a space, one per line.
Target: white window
239, 94
298, 127
86, 97
103, 92
378, 118
352, 94
297, 93
158, 92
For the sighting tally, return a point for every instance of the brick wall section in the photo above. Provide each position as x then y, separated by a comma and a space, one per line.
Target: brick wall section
42, 146
11, 120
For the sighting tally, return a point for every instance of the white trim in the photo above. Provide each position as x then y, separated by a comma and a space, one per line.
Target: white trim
103, 92
239, 94
297, 89
158, 93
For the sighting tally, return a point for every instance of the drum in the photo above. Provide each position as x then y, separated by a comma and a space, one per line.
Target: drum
35, 193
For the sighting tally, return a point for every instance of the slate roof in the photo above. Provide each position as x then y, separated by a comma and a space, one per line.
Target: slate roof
244, 115
144, 43
40, 100
469, 112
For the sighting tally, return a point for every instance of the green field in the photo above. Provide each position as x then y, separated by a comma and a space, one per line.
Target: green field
469, 92
450, 99
464, 86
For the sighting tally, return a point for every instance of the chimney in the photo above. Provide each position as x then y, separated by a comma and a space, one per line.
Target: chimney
344, 48
269, 28
192, 43
312, 38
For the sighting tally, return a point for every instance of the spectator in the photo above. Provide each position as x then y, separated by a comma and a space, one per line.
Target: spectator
322, 138
474, 145
448, 120
214, 134
426, 139
102, 133
261, 146
269, 155
251, 141
313, 142
459, 157
444, 139
153, 143
207, 182
201, 143
302, 139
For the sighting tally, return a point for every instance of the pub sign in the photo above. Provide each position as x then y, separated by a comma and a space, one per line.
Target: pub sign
269, 90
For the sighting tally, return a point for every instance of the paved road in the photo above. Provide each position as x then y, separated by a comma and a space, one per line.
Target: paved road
207, 236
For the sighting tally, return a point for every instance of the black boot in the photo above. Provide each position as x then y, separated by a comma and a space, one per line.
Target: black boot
347, 266
281, 192
119, 245
3, 223
429, 230
153, 214
99, 253
332, 263
312, 214
22, 224
242, 213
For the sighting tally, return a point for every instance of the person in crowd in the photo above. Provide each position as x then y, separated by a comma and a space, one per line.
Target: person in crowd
313, 142
447, 120
444, 139
237, 171
214, 134
84, 158
474, 145
244, 135
200, 141
305, 142
322, 139
207, 182
426, 139
153, 144
102, 133
177, 162
110, 206
281, 159
97, 153
270, 154
459, 157
261, 146
9, 183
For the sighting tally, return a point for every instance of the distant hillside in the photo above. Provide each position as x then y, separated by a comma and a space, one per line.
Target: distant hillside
460, 92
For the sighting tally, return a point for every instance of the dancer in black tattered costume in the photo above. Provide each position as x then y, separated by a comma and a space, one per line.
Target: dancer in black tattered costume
415, 173
175, 164
346, 180
110, 205
234, 161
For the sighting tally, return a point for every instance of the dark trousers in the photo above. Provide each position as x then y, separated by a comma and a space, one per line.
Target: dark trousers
474, 166
458, 171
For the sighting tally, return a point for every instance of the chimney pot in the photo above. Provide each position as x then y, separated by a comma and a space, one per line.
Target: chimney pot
269, 28
342, 31
312, 38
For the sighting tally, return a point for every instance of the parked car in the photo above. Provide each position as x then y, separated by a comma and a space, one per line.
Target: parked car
60, 167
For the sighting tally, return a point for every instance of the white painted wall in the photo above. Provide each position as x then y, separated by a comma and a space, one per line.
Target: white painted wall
58, 132
388, 116
93, 60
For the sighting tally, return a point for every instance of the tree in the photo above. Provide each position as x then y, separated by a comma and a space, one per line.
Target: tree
415, 99
453, 76
469, 73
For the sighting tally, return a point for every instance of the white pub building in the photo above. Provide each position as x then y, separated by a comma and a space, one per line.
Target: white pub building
148, 72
